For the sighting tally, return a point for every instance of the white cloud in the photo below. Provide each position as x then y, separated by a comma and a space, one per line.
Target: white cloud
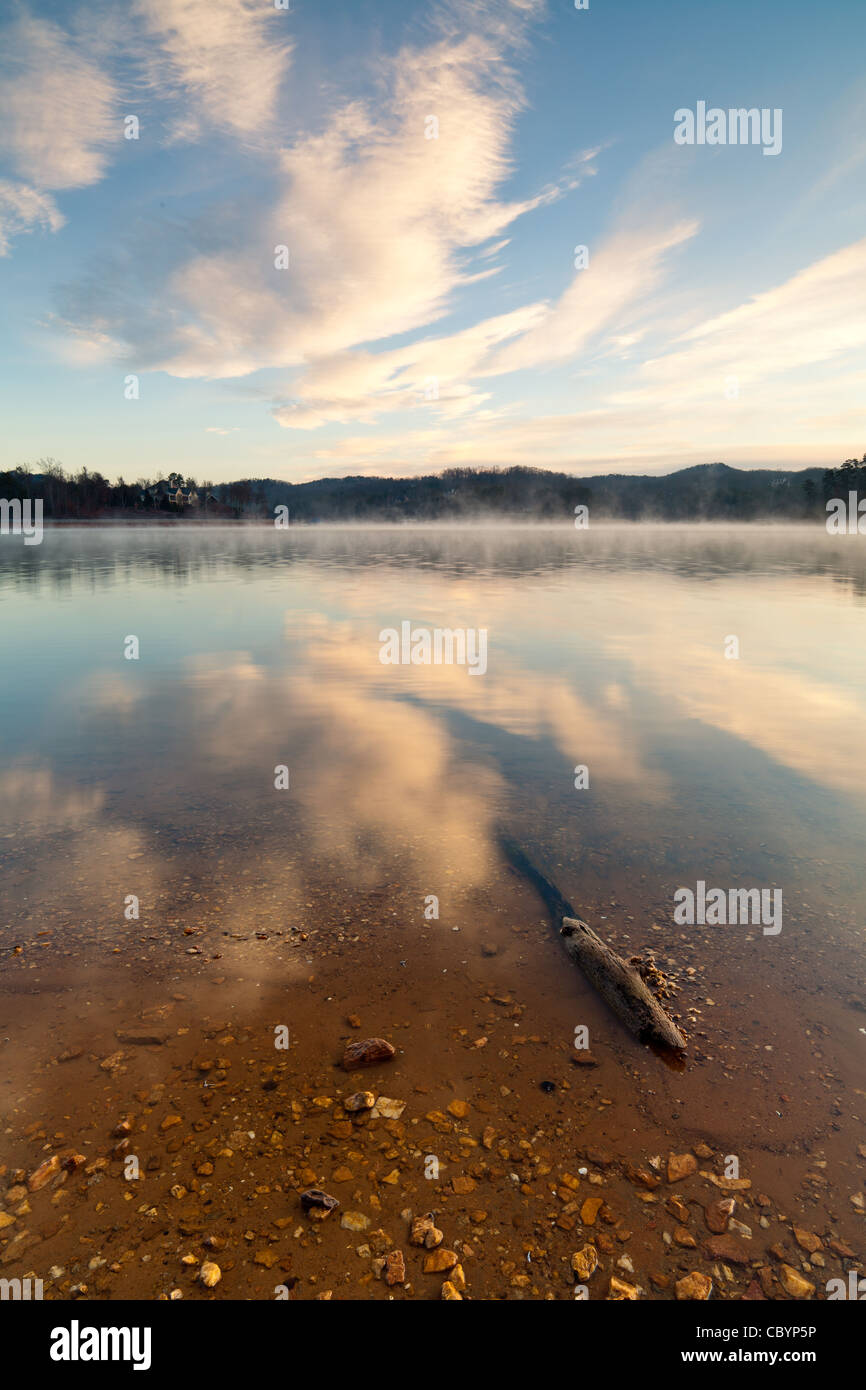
227, 58
433, 372
23, 209
57, 107
381, 224
815, 316
616, 282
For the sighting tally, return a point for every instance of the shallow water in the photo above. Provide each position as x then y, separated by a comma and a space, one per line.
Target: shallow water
605, 648
153, 779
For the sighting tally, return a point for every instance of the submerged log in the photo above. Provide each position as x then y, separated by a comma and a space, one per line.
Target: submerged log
620, 985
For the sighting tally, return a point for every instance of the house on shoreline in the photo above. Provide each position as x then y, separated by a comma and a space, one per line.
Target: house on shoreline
178, 495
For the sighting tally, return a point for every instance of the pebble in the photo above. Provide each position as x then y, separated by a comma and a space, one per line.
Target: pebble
584, 1262
681, 1166
794, 1284
361, 1100
367, 1052
425, 1233
317, 1204
438, 1261
694, 1286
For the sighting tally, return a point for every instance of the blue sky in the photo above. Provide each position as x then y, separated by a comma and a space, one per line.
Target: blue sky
431, 314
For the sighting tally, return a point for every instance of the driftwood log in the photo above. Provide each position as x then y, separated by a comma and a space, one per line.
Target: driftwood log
616, 981
620, 986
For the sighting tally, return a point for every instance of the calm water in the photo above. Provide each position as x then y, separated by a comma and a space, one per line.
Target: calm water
258, 648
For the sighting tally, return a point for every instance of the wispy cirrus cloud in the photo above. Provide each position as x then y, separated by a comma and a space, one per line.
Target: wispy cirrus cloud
678, 407
223, 60
22, 209
815, 316
58, 107
381, 223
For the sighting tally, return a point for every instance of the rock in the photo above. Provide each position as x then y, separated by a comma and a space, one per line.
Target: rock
681, 1166
716, 1214
590, 1209
439, 1261
461, 1187
6, 1220
268, 1258
458, 1279
684, 1238
807, 1241
395, 1269
210, 1274
754, 1293
143, 1037
317, 1204
425, 1233
619, 1290
839, 1247
694, 1286
677, 1209
387, 1109
44, 1173
450, 1294
354, 1221
730, 1249
642, 1177
794, 1284
767, 1280
459, 1109
170, 1121
367, 1052
703, 1151
361, 1100
728, 1184
584, 1262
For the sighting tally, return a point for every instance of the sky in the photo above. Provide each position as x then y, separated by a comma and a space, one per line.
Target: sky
242, 240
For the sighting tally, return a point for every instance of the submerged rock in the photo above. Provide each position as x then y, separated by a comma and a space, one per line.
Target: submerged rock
318, 1204
585, 1262
367, 1052
44, 1173
681, 1166
694, 1286
794, 1284
361, 1100
620, 1291
395, 1269
424, 1232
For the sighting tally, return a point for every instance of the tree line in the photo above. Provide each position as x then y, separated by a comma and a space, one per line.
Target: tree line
706, 492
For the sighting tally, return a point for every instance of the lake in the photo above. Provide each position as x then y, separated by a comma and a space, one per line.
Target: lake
223, 811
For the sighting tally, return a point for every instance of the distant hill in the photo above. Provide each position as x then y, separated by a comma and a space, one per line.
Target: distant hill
706, 492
